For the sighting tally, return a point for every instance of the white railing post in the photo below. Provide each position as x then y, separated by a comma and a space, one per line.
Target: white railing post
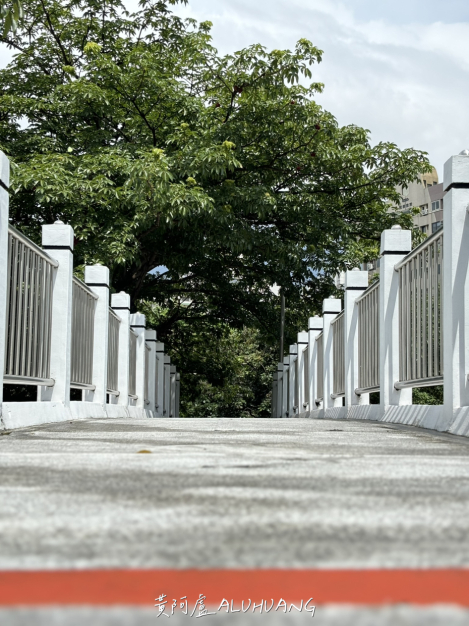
285, 386
150, 339
395, 244
274, 395
57, 239
4, 202
167, 386
356, 282
330, 309
173, 391
159, 390
293, 355
97, 279
120, 303
178, 393
137, 324
455, 297
302, 342
279, 402
315, 326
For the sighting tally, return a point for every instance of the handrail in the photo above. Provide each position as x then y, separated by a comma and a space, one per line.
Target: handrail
338, 316
27, 242
361, 390
114, 314
369, 289
83, 386
28, 380
431, 381
419, 248
85, 287
318, 337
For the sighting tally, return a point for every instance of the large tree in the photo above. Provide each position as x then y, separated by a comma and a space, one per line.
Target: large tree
222, 171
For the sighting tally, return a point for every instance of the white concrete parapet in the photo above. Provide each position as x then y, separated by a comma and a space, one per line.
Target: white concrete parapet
97, 279
120, 304
172, 399
456, 286
167, 387
293, 358
159, 395
138, 325
395, 245
4, 203
355, 284
285, 385
57, 240
330, 309
151, 341
302, 343
315, 327
279, 402
178, 394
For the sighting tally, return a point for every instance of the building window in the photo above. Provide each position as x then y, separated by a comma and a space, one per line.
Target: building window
424, 229
436, 226
424, 209
436, 205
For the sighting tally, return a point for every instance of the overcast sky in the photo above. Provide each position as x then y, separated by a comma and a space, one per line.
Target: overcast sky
397, 67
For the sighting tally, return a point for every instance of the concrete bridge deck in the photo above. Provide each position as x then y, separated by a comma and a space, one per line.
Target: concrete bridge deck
231, 493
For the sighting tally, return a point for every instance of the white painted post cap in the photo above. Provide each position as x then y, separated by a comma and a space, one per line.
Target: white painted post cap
97, 275
120, 300
302, 337
315, 323
58, 236
356, 279
396, 241
138, 320
331, 305
456, 170
293, 349
150, 335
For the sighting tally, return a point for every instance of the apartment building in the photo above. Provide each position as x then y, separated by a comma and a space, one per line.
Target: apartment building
427, 195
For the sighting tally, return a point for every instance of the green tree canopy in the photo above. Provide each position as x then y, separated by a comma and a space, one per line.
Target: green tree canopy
161, 153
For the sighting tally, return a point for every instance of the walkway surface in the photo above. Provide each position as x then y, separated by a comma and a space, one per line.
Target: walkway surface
231, 493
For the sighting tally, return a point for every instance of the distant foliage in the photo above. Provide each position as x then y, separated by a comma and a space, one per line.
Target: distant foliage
427, 395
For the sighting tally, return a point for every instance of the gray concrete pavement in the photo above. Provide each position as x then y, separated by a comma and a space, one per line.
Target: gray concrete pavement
324, 616
232, 493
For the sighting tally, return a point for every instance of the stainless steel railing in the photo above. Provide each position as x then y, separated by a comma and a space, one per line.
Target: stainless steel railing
29, 312
113, 353
133, 364
320, 368
83, 306
338, 355
306, 377
368, 340
147, 362
420, 333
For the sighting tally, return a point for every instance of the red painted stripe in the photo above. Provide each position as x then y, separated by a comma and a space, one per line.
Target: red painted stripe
141, 587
